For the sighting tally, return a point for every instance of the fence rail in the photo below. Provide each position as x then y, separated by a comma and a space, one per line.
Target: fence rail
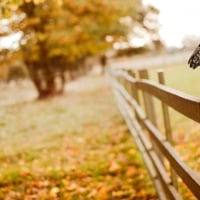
160, 157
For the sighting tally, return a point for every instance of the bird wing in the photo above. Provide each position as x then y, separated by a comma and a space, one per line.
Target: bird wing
194, 60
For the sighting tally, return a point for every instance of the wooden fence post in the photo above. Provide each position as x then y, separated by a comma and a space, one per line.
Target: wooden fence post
132, 87
121, 80
150, 112
133, 90
149, 139
167, 124
148, 100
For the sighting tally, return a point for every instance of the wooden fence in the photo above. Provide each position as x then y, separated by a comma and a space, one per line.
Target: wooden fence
135, 102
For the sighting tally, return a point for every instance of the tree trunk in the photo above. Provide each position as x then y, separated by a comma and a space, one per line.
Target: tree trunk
50, 89
48, 77
46, 83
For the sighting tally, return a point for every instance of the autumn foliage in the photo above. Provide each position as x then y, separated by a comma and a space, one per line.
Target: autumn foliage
71, 148
58, 35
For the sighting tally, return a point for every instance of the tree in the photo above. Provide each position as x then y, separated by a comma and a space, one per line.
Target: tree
58, 35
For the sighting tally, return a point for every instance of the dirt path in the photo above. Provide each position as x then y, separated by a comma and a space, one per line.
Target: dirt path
74, 147
152, 60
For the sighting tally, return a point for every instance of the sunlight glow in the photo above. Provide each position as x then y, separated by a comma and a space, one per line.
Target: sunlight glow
11, 41
178, 19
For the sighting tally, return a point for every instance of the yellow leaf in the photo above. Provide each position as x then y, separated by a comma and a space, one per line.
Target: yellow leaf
103, 193
72, 186
114, 168
54, 191
25, 172
131, 171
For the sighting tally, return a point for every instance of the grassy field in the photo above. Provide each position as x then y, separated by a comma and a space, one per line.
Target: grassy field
72, 147
181, 77
186, 133
77, 146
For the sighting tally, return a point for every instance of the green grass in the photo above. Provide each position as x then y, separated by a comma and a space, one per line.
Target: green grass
186, 132
180, 77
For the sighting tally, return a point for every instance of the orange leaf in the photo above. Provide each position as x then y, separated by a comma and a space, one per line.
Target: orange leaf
114, 168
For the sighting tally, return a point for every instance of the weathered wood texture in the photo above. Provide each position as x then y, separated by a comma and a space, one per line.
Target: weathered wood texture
141, 121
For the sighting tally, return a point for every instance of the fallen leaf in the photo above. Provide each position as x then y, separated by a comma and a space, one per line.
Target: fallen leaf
92, 194
114, 168
72, 186
131, 171
117, 193
54, 191
25, 172
103, 193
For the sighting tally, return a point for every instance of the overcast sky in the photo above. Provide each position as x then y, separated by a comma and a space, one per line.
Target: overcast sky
178, 18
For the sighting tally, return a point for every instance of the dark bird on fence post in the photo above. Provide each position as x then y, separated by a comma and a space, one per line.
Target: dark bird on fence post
194, 60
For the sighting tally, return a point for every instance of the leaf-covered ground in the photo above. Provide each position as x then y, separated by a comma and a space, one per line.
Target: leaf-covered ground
72, 147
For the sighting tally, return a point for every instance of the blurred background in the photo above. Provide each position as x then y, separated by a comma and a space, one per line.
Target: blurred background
47, 41
76, 145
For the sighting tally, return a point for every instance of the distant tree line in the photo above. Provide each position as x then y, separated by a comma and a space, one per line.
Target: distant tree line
59, 35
